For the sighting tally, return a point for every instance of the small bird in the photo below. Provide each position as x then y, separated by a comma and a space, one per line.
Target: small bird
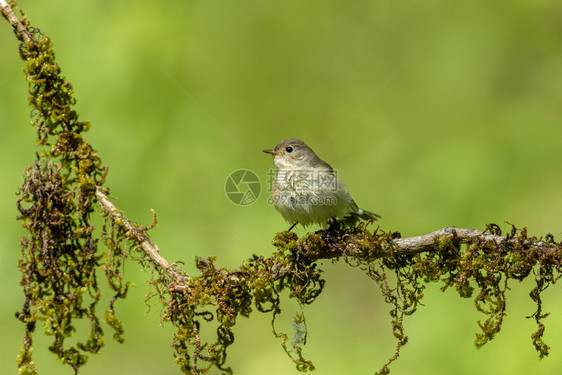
306, 189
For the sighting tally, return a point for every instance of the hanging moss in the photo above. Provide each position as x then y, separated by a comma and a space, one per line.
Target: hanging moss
60, 256
480, 270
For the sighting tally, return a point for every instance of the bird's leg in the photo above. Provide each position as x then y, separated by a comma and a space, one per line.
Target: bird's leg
292, 226
350, 220
333, 224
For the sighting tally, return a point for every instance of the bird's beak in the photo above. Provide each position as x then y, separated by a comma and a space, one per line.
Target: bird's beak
271, 152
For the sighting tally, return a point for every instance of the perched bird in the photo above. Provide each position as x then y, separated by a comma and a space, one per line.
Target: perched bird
306, 189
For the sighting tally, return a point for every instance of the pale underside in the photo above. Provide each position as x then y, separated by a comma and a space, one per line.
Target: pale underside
311, 196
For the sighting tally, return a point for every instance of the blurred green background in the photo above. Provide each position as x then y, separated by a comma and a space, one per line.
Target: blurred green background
434, 113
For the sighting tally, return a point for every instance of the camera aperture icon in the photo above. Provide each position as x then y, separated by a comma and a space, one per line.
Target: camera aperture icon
242, 187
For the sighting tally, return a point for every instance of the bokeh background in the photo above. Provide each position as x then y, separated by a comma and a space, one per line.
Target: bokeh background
434, 113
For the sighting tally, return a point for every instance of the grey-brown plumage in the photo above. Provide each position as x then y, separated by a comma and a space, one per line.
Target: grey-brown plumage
307, 190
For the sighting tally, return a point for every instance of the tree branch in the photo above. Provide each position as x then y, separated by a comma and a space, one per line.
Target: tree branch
427, 242
395, 247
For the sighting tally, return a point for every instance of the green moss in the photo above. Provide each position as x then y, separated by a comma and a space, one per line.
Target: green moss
59, 254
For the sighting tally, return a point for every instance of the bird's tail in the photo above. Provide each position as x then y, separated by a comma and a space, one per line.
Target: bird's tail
357, 214
367, 215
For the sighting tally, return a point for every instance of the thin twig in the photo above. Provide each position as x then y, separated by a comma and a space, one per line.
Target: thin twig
138, 234
20, 29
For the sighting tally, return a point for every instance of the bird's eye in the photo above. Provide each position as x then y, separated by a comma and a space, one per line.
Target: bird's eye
289, 149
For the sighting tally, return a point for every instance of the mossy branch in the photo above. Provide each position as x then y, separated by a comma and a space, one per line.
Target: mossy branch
453, 256
60, 255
